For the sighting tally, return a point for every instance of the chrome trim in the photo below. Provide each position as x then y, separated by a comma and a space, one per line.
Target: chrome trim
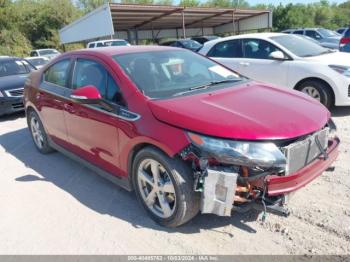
8, 92
78, 97
137, 116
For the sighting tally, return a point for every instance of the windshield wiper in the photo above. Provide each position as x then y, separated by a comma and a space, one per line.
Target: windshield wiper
210, 84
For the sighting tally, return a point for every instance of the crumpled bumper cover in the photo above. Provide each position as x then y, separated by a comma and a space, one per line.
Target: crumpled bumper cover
278, 185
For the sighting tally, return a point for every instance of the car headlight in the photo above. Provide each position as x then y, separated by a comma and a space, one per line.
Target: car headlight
240, 153
344, 70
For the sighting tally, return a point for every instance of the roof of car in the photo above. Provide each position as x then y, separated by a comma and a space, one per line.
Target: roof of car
6, 58
118, 50
254, 35
105, 40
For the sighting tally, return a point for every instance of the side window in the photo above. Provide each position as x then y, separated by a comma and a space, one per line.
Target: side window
58, 73
88, 72
33, 53
91, 45
228, 49
313, 34
113, 92
258, 49
299, 32
99, 44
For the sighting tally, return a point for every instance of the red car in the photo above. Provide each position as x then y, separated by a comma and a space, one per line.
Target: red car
182, 131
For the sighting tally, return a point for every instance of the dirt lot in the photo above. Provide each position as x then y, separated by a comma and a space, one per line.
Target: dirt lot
52, 205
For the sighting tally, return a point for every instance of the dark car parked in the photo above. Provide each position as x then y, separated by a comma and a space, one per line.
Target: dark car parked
203, 39
184, 43
13, 74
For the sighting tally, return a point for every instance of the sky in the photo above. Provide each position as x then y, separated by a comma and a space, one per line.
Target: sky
277, 2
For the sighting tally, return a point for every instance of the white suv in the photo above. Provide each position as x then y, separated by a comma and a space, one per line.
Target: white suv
287, 60
110, 42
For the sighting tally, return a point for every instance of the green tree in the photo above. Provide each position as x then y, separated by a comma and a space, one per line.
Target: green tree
189, 3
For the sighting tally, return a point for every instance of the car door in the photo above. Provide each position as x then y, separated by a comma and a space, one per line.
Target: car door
228, 53
51, 98
93, 131
258, 65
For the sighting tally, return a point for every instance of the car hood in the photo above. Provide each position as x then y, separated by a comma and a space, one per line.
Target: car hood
336, 58
13, 81
250, 111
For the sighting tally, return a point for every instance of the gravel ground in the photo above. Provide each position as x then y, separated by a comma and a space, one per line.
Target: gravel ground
51, 205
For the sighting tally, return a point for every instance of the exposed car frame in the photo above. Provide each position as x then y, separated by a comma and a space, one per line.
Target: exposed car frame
157, 147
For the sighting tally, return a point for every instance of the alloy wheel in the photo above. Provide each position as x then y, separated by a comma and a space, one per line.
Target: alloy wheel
313, 92
156, 188
36, 132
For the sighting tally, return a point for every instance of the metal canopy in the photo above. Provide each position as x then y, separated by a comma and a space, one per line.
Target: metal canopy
148, 17
135, 22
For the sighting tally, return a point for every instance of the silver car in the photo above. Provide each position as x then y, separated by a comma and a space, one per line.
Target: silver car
327, 38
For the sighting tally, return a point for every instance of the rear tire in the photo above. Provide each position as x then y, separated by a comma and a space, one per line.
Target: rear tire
318, 90
38, 133
164, 187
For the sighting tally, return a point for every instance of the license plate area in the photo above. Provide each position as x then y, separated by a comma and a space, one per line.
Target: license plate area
301, 153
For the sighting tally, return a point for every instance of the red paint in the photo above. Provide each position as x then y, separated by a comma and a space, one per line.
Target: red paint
250, 111
89, 92
278, 185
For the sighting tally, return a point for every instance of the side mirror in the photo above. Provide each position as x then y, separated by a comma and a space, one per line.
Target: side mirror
277, 55
90, 95
86, 93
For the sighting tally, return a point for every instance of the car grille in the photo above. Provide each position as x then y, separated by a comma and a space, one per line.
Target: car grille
18, 92
299, 154
17, 106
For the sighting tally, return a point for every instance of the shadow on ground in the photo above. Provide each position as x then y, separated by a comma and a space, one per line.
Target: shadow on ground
11, 117
99, 194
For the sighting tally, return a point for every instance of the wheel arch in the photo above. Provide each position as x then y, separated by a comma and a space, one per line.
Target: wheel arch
137, 148
297, 85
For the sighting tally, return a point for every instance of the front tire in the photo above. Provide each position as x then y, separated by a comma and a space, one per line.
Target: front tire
164, 187
38, 133
317, 90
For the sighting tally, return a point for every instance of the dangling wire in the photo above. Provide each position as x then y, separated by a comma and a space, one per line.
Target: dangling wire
263, 218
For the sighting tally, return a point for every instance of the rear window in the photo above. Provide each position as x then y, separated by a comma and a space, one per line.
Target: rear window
299, 32
116, 43
58, 73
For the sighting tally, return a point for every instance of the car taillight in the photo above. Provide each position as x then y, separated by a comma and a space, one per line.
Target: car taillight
344, 41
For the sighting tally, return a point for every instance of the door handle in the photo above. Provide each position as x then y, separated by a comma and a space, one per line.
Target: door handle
69, 107
244, 63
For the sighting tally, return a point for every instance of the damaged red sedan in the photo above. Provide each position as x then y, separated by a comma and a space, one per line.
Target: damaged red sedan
185, 133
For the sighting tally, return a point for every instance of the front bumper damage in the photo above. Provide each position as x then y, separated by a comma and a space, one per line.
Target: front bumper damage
228, 188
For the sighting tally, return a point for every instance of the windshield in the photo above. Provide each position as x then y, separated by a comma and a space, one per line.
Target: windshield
299, 45
116, 43
48, 52
38, 61
163, 74
327, 33
13, 67
191, 44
